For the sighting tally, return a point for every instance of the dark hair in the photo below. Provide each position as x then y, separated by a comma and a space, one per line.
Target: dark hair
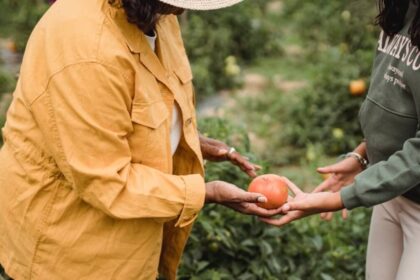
392, 16
146, 13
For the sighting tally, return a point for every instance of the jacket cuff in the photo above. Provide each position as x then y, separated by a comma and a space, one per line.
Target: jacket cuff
195, 192
350, 197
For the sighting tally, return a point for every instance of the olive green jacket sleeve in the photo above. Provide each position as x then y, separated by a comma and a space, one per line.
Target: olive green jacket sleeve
386, 179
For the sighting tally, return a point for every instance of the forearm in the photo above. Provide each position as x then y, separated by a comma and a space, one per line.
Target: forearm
387, 179
361, 149
139, 191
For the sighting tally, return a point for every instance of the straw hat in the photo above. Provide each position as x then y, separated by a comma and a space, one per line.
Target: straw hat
201, 4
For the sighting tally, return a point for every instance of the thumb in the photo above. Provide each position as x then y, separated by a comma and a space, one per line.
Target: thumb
294, 205
327, 169
252, 197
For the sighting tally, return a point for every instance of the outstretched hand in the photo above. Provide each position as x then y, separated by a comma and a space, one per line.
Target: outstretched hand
341, 174
215, 150
237, 199
305, 204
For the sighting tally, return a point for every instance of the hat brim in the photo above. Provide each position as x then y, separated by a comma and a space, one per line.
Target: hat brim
201, 4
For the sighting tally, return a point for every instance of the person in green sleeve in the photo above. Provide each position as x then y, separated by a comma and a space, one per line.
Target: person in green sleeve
390, 122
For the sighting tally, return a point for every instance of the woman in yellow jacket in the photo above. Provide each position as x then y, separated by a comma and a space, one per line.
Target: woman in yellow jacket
101, 173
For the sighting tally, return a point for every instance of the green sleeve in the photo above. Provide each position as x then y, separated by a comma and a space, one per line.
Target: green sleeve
386, 179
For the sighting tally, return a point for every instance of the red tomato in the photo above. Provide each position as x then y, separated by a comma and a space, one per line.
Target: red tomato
272, 187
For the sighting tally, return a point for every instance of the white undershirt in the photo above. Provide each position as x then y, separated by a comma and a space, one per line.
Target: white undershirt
176, 125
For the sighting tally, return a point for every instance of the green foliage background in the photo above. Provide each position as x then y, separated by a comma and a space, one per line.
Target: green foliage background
228, 245
336, 44
18, 17
242, 31
340, 42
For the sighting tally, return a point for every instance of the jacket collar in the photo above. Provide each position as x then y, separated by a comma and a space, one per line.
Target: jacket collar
133, 36
137, 43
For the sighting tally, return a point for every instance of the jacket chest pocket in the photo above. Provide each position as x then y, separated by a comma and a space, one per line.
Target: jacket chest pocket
185, 77
149, 142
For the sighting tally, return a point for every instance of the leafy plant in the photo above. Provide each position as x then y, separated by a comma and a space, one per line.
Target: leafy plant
7, 82
341, 43
336, 44
241, 32
20, 17
228, 245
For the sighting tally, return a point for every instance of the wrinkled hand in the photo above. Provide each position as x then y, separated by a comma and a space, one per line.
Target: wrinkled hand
305, 204
342, 174
237, 199
214, 150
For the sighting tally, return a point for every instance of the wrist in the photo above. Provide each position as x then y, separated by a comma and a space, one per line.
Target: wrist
359, 158
337, 201
361, 149
209, 193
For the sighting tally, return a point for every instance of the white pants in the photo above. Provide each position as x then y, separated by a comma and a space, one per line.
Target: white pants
394, 241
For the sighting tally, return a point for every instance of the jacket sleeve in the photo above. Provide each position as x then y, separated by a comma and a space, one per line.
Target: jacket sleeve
84, 115
387, 179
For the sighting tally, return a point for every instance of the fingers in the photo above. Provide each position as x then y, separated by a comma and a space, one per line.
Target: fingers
345, 214
244, 163
257, 167
295, 189
325, 185
237, 159
286, 219
251, 173
290, 206
254, 209
223, 192
327, 169
327, 216
274, 212
251, 197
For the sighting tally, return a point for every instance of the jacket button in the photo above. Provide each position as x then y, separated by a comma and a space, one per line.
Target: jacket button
188, 122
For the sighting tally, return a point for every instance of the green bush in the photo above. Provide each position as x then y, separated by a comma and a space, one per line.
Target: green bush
7, 82
228, 245
336, 43
19, 17
218, 42
340, 41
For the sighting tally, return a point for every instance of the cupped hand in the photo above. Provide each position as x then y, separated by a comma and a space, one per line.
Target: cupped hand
305, 204
237, 199
215, 150
341, 174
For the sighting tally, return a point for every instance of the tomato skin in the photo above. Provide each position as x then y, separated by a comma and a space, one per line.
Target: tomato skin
273, 187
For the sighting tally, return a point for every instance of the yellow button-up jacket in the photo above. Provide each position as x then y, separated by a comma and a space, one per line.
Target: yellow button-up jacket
89, 188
